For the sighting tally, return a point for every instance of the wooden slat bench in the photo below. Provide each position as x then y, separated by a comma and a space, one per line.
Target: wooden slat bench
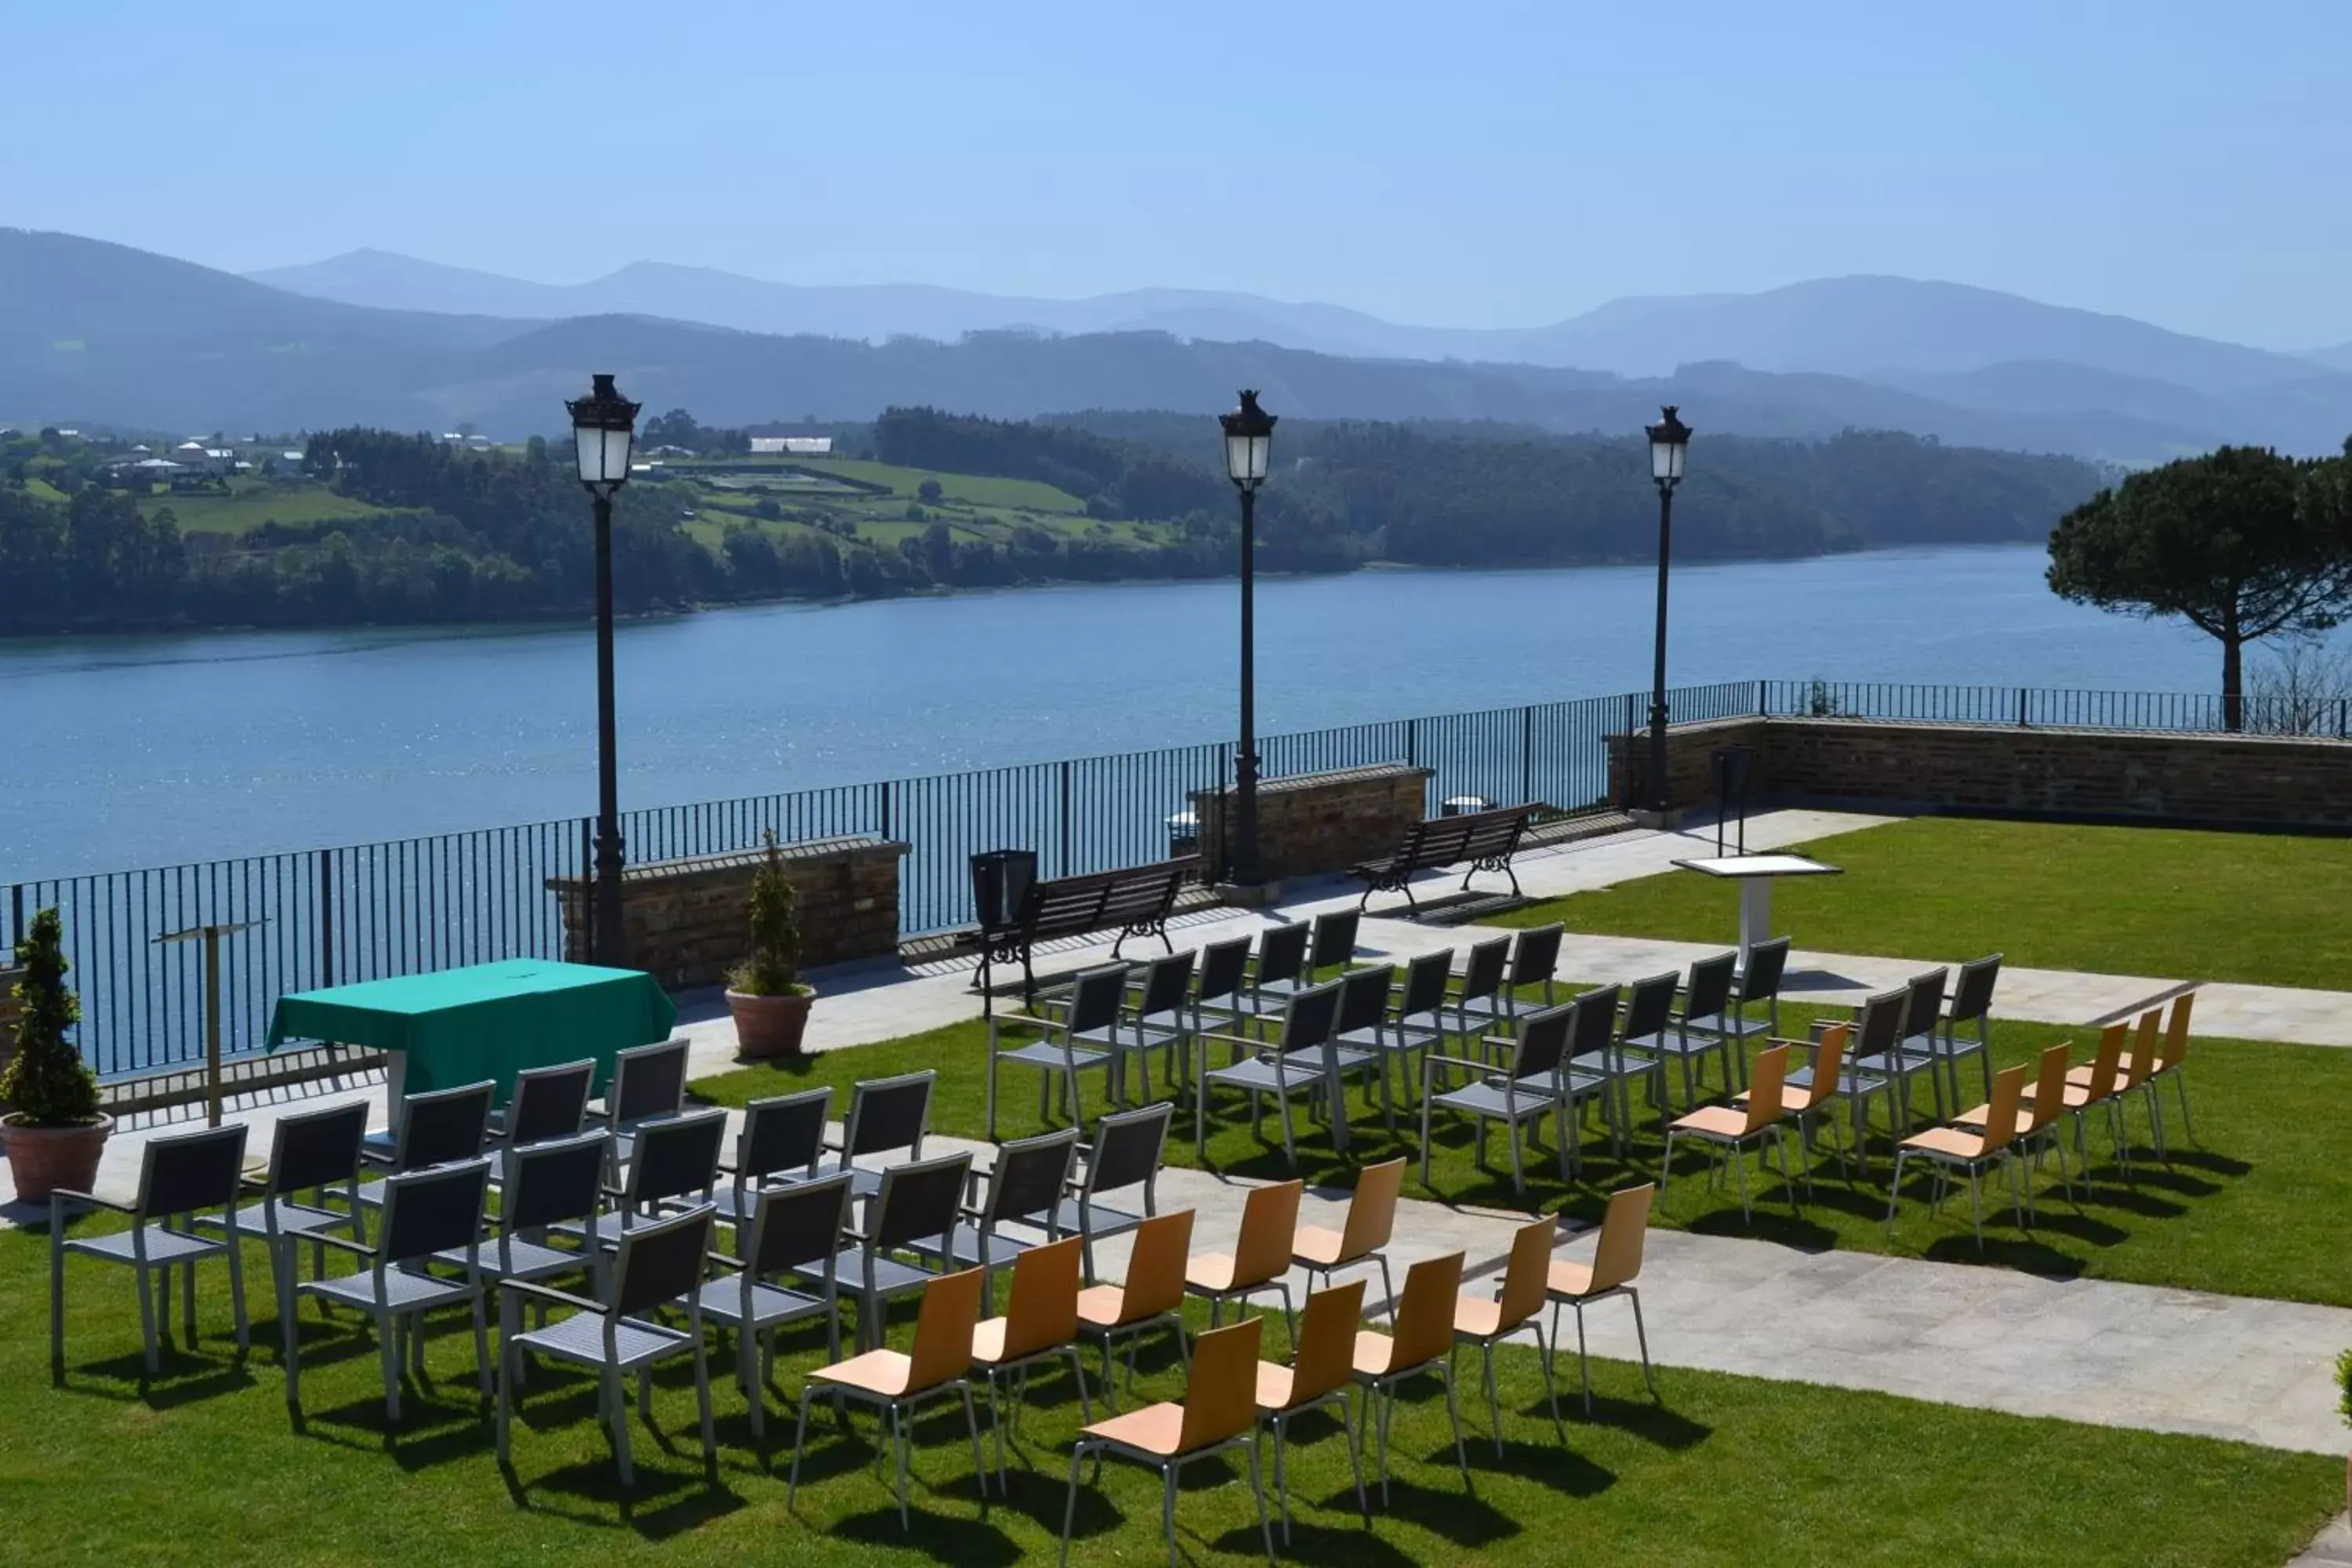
1484, 840
1136, 900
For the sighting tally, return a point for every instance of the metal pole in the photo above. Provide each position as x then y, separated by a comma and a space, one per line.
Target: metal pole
212, 1027
1245, 862
1659, 798
610, 948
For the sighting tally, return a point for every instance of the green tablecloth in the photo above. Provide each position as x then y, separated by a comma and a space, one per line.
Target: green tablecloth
490, 1020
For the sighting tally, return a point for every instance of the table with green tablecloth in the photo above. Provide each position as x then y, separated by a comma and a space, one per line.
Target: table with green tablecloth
485, 1021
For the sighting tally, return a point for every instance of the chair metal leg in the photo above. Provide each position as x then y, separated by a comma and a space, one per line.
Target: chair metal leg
1355, 1454
1551, 1390
1494, 1399
1740, 1154
898, 1446
1894, 1191
702, 1404
617, 1397
1642, 1338
979, 1467
387, 1336
236, 1297
1281, 1483
800, 1445
1168, 1507
1454, 1409
56, 1293
1379, 1409
1257, 1489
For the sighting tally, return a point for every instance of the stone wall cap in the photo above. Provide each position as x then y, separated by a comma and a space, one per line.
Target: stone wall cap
853, 846
1288, 781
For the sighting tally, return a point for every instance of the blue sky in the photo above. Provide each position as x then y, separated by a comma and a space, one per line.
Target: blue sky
1471, 163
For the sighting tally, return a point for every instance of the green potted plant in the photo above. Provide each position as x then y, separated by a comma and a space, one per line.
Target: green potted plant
57, 1131
764, 991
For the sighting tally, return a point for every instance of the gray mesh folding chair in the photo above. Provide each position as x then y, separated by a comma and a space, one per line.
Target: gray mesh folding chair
1362, 1025
1063, 1051
886, 1115
1217, 983
1479, 996
782, 1141
914, 1213
1921, 1044
1528, 1088
1972, 1005
1333, 945
1811, 1100
1534, 953
1697, 1032
1158, 1019
1417, 1020
674, 1166
1303, 1060
548, 1189
1876, 1052
179, 1176
1279, 971
549, 1102
1643, 1033
658, 1265
441, 1127
1125, 1153
791, 1233
427, 1215
310, 1153
1025, 1187
648, 1084
1598, 1067
1759, 984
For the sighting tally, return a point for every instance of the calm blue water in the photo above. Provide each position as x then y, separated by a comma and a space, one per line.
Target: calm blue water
127, 751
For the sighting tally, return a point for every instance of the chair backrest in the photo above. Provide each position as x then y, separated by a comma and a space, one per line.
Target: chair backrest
1650, 1004
1364, 998
2176, 1030
191, 1171
1269, 1225
1765, 1083
1155, 1266
2050, 1086
1530, 1267
1593, 1021
782, 1132
1128, 1147
887, 1113
1166, 983
1221, 1393
443, 1125
1482, 973
1829, 1059
795, 1227
1424, 1315
1542, 1042
1881, 1026
317, 1147
1096, 997
943, 1347
1535, 954
2144, 1049
1426, 980
1372, 1211
1042, 1311
550, 1102
1327, 1341
648, 1081
1307, 1022
434, 1210
553, 1180
2106, 1067
1617, 1257
1224, 966
677, 1157
1281, 953
1028, 1176
660, 1262
1972, 995
2001, 1114
1335, 939
1767, 963
918, 1201
1925, 1007
1710, 985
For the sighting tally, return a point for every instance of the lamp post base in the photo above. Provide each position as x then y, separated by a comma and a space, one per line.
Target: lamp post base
1247, 895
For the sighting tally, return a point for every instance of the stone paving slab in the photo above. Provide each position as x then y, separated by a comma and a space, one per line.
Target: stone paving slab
2331, 1548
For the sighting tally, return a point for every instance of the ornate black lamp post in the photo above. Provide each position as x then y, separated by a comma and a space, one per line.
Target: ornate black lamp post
1249, 448
1669, 439
604, 425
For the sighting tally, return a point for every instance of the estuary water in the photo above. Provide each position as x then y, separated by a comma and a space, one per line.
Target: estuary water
125, 752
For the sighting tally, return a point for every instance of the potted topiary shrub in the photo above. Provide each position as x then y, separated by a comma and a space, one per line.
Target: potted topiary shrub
764, 991
57, 1131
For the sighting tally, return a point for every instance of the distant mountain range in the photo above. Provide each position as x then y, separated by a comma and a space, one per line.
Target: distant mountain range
102, 333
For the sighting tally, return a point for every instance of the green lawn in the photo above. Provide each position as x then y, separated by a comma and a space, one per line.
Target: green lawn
2254, 1207
2267, 908
257, 501
205, 1466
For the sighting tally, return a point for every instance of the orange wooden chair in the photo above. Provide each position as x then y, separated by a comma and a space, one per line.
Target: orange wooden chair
1218, 1414
1372, 1220
1616, 1263
1734, 1128
1422, 1343
1519, 1303
2089, 1085
1824, 1082
937, 1366
1972, 1150
2176, 1052
1319, 1375
1040, 1323
2138, 1070
1261, 1256
2043, 1102
1151, 1298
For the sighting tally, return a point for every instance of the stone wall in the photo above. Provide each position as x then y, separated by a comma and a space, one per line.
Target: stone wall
686, 920
2208, 779
1311, 822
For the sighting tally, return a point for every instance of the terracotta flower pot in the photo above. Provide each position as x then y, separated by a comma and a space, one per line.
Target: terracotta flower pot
43, 1159
769, 1025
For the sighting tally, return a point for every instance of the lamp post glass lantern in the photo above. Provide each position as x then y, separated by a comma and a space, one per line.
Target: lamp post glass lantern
603, 426
1249, 456
1669, 442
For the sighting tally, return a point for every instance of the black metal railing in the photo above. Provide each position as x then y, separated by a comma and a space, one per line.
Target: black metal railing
368, 911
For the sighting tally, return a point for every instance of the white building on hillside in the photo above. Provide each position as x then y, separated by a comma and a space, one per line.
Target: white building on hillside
792, 446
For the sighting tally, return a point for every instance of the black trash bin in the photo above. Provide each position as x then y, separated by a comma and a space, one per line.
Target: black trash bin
1001, 880
1183, 836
